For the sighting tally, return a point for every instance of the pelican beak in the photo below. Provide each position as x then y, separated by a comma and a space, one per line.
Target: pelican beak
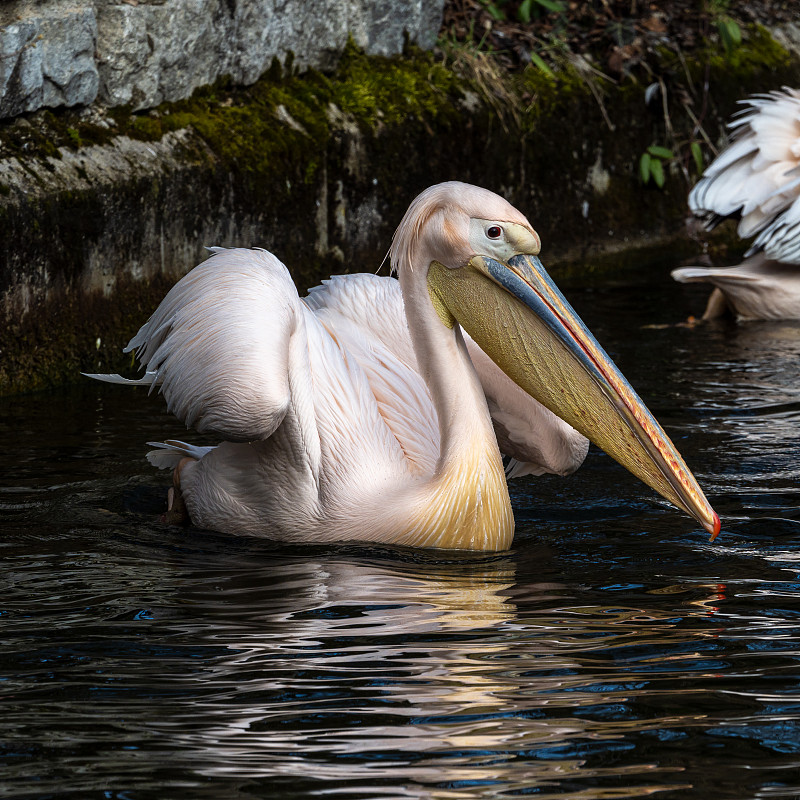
518, 316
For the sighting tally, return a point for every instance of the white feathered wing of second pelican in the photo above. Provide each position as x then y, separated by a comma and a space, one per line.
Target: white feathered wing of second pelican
757, 178
334, 436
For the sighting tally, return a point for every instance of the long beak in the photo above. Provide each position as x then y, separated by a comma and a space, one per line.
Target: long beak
547, 350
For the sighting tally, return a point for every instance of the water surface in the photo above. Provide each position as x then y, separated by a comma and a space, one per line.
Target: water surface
612, 653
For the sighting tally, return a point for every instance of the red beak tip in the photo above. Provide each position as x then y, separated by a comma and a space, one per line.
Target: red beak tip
715, 529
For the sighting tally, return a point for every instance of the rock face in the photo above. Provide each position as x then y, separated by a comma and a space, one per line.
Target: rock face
144, 52
47, 56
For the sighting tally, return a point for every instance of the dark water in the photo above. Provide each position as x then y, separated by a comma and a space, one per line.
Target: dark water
613, 653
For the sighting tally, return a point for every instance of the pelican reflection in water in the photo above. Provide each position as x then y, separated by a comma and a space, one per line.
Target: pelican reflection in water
406, 672
364, 413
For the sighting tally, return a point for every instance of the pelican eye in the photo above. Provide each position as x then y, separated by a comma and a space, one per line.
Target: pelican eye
494, 232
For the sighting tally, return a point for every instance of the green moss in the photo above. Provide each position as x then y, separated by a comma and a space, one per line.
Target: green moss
758, 52
549, 92
282, 123
388, 91
74, 137
145, 128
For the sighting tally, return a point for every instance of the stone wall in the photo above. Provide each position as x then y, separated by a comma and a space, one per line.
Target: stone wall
141, 53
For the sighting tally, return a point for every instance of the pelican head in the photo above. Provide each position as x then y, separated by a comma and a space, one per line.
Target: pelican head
484, 274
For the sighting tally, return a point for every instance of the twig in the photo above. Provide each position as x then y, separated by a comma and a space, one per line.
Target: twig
698, 128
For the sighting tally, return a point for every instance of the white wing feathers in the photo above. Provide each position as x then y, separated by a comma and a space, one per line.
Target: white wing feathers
370, 304
758, 176
364, 314
225, 349
168, 454
150, 379
526, 430
218, 345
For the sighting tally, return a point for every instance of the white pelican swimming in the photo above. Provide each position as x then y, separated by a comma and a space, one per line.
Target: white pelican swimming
758, 179
335, 429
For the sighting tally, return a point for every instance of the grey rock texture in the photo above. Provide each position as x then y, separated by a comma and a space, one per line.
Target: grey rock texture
788, 36
144, 52
47, 59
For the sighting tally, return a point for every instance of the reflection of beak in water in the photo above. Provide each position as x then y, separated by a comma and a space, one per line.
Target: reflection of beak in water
415, 675
707, 603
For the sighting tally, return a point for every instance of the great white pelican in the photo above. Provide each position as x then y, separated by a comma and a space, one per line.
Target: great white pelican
756, 178
335, 432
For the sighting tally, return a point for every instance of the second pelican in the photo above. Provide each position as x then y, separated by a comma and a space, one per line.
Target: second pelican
330, 437
756, 178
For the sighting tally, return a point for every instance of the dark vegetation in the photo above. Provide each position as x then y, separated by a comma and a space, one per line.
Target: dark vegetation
691, 59
621, 37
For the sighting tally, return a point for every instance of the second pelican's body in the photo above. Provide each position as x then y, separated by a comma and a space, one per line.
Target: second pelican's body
757, 178
343, 423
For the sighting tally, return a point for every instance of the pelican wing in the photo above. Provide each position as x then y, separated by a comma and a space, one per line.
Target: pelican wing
758, 176
218, 345
365, 313
781, 239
